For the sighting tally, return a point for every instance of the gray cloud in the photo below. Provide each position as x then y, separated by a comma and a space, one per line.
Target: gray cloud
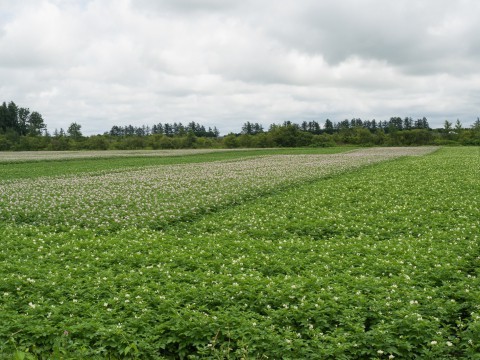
417, 37
107, 62
186, 6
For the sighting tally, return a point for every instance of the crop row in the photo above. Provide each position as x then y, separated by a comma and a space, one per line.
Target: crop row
156, 196
60, 164
19, 156
8, 157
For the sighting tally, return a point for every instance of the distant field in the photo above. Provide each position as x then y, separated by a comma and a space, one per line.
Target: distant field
29, 156
18, 156
369, 253
52, 163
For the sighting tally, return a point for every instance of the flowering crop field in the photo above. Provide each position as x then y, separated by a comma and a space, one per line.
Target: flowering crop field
17, 165
28, 156
370, 253
153, 197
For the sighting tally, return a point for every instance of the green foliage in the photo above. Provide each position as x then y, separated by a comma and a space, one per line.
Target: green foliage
20, 121
371, 262
35, 124
74, 131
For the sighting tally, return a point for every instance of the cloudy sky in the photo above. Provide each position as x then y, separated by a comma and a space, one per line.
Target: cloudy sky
221, 63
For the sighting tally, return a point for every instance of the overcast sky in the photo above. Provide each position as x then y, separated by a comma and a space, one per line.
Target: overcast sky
221, 63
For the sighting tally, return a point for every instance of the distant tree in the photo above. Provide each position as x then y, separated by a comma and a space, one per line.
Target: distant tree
181, 129
257, 128
193, 127
362, 136
116, 131
12, 117
355, 123
159, 129
139, 131
407, 123
3, 119
230, 141
247, 128
97, 142
129, 130
345, 124
287, 135
314, 127
73, 131
23, 114
304, 126
447, 126
458, 126
175, 129
189, 140
395, 123
35, 124
476, 125
328, 126
168, 130
421, 123
379, 136
211, 133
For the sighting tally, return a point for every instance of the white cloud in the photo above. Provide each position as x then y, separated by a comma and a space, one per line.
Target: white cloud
107, 62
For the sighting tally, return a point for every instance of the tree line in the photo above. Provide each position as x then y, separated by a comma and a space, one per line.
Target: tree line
21, 129
394, 132
167, 129
20, 121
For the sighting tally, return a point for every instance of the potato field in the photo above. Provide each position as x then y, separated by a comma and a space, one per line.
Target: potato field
334, 253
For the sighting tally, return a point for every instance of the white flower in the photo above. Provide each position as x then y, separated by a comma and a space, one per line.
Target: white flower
391, 356
32, 305
449, 343
433, 342
380, 352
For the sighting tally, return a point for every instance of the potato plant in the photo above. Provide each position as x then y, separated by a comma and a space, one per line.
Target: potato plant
350, 256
